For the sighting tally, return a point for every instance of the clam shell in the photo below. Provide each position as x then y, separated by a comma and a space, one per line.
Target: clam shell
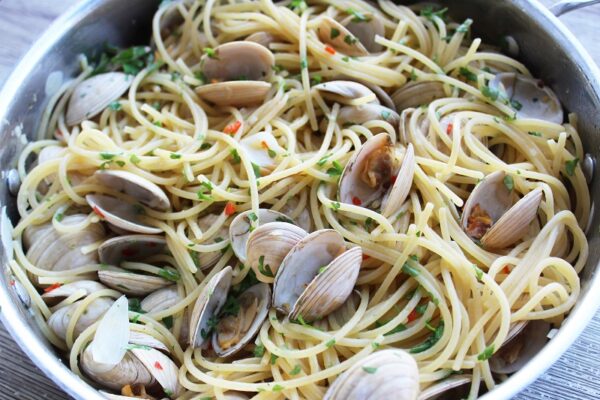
130, 248
239, 230
162, 369
161, 299
272, 242
298, 286
367, 112
130, 283
209, 303
344, 42
140, 189
537, 100
143, 339
129, 371
207, 260
365, 31
385, 374
235, 93
93, 95
329, 289
346, 92
452, 382
521, 348
254, 148
260, 292
514, 224
352, 186
401, 188
416, 94
264, 38
120, 213
62, 292
304, 220
59, 320
235, 60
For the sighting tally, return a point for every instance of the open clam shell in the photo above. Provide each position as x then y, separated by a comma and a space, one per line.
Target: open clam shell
131, 248
490, 216
84, 287
121, 214
209, 303
262, 149
131, 283
144, 191
521, 348
241, 227
336, 35
447, 387
264, 38
237, 72
365, 30
316, 276
129, 371
385, 374
233, 332
208, 259
59, 320
268, 245
161, 299
347, 92
368, 174
93, 95
532, 97
403, 182
416, 94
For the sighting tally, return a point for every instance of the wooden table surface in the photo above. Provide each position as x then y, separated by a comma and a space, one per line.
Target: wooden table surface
576, 376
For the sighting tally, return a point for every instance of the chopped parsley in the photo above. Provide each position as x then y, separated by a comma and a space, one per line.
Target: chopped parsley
334, 33
235, 156
259, 350
535, 133
478, 272
256, 170
509, 182
297, 369
169, 274
335, 170
357, 15
175, 156
571, 165
330, 343
430, 13
115, 105
486, 354
265, 269
430, 341
490, 93
412, 271
369, 370
467, 74
210, 52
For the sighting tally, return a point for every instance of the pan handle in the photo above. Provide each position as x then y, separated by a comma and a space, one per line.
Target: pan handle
565, 6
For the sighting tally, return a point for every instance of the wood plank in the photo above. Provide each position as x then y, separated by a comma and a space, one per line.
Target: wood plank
575, 376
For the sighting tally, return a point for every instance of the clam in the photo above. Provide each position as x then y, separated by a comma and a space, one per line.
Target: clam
385, 374
161, 299
131, 247
532, 98
490, 216
142, 190
130, 283
365, 28
347, 92
416, 94
123, 215
55, 251
372, 175
245, 222
520, 347
207, 305
333, 33
358, 115
117, 357
304, 219
317, 276
268, 245
233, 332
93, 95
60, 319
207, 260
84, 287
453, 387
238, 73
262, 149
264, 38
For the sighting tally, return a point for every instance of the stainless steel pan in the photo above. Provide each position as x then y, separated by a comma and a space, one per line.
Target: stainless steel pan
547, 48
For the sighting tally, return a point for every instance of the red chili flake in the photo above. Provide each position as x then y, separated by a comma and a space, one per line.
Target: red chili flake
356, 201
58, 133
330, 50
264, 145
506, 269
158, 366
229, 208
233, 127
98, 212
365, 257
413, 315
449, 129
129, 252
52, 287
393, 179
12, 282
